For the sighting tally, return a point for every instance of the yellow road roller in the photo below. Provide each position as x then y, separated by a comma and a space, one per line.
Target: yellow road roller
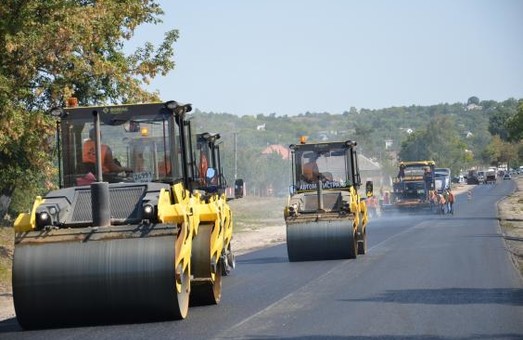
325, 216
138, 229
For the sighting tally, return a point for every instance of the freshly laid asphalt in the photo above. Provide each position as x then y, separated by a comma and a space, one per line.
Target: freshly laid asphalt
424, 277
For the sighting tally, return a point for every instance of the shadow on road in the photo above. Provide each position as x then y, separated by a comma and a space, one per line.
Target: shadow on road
9, 325
263, 260
450, 296
379, 337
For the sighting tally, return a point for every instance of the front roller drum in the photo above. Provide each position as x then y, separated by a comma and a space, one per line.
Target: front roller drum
107, 281
324, 240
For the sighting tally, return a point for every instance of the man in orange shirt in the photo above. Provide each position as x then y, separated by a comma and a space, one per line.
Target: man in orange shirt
108, 163
310, 170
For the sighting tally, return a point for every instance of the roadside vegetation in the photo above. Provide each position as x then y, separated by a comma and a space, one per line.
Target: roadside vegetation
6, 259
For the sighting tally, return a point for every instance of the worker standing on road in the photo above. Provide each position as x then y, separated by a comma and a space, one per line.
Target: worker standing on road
442, 203
401, 173
450, 202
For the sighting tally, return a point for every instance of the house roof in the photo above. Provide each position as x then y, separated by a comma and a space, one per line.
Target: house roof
279, 149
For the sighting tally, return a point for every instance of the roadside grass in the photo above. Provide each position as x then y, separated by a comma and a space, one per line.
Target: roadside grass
251, 213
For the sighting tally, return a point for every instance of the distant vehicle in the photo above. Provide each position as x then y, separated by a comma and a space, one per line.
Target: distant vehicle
238, 188
458, 179
507, 176
491, 177
472, 177
481, 177
443, 179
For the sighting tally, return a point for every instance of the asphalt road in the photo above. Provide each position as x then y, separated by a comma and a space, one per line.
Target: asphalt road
424, 277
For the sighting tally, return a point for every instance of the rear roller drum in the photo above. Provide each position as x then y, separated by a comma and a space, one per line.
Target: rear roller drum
204, 289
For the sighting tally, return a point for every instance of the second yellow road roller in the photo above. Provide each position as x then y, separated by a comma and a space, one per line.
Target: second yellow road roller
326, 218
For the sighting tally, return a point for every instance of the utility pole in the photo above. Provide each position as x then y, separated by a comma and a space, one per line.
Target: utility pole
235, 156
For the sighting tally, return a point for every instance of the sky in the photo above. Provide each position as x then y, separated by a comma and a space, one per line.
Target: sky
249, 57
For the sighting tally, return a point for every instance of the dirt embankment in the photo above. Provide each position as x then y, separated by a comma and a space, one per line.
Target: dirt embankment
510, 213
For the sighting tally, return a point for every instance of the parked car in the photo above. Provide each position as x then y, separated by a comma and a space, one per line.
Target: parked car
507, 176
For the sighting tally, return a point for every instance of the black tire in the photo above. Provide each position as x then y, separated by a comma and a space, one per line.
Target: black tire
353, 246
362, 241
206, 292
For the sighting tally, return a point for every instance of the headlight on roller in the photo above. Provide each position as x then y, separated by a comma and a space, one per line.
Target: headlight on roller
43, 219
293, 209
149, 212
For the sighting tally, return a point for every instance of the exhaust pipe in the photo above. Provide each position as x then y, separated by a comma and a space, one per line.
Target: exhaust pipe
319, 187
100, 204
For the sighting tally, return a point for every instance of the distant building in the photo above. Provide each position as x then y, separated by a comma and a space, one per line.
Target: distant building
472, 106
369, 171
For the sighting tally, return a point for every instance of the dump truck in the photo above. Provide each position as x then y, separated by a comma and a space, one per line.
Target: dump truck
131, 242
413, 186
325, 216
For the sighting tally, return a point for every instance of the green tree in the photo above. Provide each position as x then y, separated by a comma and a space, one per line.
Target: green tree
439, 141
515, 124
473, 100
499, 151
500, 118
53, 49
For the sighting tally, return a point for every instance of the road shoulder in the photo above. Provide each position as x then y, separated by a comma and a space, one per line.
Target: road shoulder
510, 215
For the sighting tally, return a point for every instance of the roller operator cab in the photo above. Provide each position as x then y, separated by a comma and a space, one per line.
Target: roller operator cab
325, 216
139, 226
